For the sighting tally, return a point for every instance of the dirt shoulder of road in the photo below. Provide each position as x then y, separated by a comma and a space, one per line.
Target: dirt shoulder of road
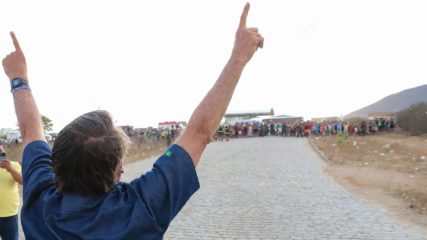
389, 170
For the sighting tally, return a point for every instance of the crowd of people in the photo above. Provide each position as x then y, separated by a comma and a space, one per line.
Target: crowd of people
154, 135
304, 128
285, 129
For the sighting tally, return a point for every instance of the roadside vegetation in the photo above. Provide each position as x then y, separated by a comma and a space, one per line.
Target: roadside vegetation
137, 151
414, 119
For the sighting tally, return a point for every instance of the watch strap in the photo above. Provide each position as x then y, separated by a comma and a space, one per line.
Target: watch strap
22, 87
18, 82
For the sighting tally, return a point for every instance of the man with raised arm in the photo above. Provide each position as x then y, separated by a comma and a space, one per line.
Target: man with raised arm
73, 191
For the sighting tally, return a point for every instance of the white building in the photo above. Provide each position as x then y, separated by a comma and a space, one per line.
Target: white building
11, 134
247, 116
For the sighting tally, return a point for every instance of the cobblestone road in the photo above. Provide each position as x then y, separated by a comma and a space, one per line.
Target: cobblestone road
274, 188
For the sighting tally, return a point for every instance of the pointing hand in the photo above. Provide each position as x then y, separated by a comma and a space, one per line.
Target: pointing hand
248, 40
14, 64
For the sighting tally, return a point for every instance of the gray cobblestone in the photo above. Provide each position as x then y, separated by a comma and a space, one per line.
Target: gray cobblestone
273, 188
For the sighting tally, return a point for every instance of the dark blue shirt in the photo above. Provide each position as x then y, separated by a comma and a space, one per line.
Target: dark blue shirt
141, 209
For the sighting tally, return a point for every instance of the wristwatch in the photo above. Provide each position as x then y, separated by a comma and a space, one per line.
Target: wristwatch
18, 82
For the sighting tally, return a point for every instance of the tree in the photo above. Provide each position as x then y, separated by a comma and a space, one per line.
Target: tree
414, 119
47, 124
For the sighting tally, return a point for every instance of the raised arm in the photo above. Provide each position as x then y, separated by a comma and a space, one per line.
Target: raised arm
208, 114
29, 119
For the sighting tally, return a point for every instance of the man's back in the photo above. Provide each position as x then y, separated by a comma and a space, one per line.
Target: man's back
141, 209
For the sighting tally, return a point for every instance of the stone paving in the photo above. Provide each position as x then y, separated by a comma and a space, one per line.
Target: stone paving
274, 188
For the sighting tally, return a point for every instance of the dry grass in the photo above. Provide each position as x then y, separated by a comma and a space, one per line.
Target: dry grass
397, 152
137, 151
393, 152
14, 152
415, 198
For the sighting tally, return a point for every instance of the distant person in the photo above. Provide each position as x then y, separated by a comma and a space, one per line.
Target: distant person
227, 133
173, 132
220, 133
392, 124
236, 131
73, 190
168, 138
10, 177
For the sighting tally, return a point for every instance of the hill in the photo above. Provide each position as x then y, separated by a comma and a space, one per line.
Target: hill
395, 102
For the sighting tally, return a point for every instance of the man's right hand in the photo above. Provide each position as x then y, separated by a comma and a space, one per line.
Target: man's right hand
14, 64
247, 39
205, 119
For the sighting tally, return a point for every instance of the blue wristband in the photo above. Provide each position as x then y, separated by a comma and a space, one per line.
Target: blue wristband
23, 87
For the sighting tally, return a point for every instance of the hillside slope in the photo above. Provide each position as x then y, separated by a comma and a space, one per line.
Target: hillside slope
395, 102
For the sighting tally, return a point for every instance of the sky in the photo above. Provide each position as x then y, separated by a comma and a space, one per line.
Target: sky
153, 61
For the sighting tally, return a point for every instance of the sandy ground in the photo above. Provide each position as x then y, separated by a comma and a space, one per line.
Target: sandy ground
381, 187
388, 170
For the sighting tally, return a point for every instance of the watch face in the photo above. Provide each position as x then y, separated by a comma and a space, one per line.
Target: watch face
18, 82
15, 82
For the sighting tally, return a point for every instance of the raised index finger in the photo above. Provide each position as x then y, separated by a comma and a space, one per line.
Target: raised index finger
244, 16
15, 41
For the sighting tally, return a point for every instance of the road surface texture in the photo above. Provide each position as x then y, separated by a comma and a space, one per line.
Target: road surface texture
273, 188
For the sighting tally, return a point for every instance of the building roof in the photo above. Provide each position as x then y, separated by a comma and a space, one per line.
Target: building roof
263, 112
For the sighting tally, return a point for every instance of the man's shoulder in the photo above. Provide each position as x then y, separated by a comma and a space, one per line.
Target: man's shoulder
36, 161
37, 146
36, 149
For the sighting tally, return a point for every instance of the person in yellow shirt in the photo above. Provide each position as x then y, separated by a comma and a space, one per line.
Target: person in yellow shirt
10, 176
